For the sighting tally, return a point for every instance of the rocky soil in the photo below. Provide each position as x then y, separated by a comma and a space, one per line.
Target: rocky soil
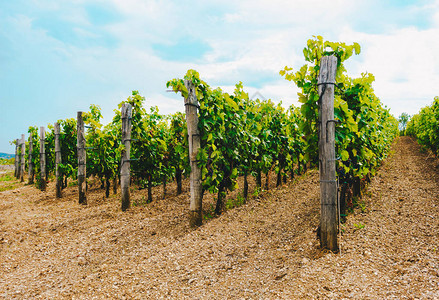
266, 249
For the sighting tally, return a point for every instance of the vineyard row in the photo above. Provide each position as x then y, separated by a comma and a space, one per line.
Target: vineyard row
222, 136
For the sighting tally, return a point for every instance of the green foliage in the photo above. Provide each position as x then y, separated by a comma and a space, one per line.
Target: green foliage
220, 125
403, 120
140, 202
256, 192
9, 161
159, 144
7, 177
7, 187
102, 156
178, 150
359, 226
68, 147
243, 136
239, 135
73, 183
306, 79
68, 141
50, 150
210, 214
34, 136
424, 126
232, 203
364, 130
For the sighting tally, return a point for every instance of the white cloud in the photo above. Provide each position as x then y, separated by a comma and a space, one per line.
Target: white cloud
405, 64
251, 41
272, 35
281, 12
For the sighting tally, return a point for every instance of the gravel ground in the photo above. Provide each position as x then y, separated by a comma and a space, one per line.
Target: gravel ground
266, 249
5, 168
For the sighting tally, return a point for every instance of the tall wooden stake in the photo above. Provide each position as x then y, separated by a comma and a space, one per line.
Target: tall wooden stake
125, 163
30, 163
23, 164
17, 159
328, 180
58, 161
42, 159
191, 104
81, 159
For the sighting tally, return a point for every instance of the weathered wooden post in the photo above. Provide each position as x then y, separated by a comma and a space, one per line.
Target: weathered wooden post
42, 159
30, 163
125, 162
58, 174
17, 159
191, 105
115, 185
81, 159
22, 163
178, 174
328, 180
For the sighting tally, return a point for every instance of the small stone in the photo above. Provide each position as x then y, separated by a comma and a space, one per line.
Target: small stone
82, 261
280, 275
191, 280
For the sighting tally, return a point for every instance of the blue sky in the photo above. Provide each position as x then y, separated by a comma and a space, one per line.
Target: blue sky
58, 57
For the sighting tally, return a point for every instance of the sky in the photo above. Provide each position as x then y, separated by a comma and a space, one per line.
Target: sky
58, 57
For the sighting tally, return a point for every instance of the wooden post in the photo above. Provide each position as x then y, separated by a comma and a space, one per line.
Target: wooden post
328, 180
17, 159
42, 159
30, 163
125, 162
23, 165
178, 174
58, 174
115, 185
81, 159
191, 104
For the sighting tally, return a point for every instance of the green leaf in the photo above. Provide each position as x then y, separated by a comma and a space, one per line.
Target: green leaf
344, 155
232, 103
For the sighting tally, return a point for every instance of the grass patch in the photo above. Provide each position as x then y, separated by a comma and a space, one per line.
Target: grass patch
142, 201
232, 203
7, 177
8, 182
257, 191
358, 226
7, 187
357, 202
73, 183
210, 213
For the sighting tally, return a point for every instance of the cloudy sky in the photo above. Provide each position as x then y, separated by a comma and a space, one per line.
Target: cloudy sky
58, 57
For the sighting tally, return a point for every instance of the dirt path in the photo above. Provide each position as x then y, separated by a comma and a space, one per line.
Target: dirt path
267, 249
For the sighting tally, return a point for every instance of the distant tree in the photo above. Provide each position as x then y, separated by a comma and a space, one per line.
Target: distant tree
403, 120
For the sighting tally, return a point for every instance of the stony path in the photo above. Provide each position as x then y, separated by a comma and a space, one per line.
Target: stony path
267, 249
396, 254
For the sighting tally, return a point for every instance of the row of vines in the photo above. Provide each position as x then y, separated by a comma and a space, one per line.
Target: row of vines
423, 126
158, 144
239, 136
364, 128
